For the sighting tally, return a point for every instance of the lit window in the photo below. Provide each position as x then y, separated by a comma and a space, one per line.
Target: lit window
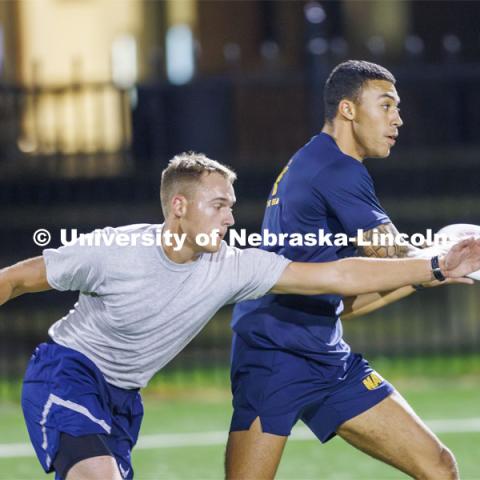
124, 61
180, 54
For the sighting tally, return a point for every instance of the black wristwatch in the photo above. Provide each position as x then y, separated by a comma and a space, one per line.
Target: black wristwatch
437, 273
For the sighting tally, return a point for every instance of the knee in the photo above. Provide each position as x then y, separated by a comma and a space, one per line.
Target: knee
444, 467
448, 464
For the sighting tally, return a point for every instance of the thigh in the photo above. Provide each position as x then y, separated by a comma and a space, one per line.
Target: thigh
263, 387
392, 432
127, 415
84, 456
346, 397
97, 468
269, 389
275, 386
62, 392
253, 453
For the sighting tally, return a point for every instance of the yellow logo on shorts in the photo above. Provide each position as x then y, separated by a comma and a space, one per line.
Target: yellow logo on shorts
372, 381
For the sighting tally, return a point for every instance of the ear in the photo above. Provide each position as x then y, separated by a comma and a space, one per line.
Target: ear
346, 109
178, 205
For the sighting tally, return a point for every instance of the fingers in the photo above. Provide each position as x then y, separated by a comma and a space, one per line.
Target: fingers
463, 258
469, 245
464, 244
457, 250
460, 280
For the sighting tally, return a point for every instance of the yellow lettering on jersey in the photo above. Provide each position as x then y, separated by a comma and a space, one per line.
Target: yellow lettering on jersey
372, 381
273, 201
277, 181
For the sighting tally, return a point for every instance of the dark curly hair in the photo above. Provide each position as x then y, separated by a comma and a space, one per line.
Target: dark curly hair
346, 81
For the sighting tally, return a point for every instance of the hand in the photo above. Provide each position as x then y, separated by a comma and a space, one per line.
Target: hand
462, 259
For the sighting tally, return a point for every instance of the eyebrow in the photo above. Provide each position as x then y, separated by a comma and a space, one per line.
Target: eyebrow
223, 199
392, 97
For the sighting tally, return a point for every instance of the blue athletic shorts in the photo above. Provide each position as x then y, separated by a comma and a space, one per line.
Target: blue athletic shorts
281, 388
64, 391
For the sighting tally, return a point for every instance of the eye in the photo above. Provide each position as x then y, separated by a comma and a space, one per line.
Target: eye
389, 107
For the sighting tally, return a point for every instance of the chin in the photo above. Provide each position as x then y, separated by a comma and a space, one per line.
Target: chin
212, 248
382, 154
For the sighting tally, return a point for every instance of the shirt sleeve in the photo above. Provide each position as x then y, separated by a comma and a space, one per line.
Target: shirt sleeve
255, 273
75, 267
350, 195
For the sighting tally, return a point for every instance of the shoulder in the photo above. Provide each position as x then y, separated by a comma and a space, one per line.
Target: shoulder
246, 258
136, 228
126, 235
324, 159
116, 242
227, 253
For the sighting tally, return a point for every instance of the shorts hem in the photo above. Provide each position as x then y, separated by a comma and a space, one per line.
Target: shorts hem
385, 392
242, 426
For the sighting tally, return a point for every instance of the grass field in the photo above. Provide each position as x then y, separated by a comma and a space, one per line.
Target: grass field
184, 432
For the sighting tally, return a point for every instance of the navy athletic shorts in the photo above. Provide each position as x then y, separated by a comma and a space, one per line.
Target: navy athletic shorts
281, 388
64, 391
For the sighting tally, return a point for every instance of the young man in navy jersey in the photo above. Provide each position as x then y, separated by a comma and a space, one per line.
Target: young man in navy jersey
289, 359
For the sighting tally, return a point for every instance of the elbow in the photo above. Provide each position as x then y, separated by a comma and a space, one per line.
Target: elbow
335, 280
6, 290
347, 284
340, 284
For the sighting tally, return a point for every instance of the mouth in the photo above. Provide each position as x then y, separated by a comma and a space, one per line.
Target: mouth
392, 139
220, 235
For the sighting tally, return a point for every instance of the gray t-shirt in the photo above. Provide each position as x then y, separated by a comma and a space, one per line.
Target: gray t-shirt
137, 309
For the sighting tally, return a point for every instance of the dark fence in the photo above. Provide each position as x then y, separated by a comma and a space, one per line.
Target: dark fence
96, 175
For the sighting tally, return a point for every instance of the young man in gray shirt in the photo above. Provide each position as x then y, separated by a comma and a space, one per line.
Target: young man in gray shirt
140, 303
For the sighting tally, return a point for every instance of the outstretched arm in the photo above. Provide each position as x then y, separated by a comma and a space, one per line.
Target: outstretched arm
23, 277
351, 276
354, 276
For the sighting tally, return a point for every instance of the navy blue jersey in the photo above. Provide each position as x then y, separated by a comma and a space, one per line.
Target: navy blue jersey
321, 188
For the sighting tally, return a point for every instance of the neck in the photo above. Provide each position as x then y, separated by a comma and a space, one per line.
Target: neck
176, 245
342, 133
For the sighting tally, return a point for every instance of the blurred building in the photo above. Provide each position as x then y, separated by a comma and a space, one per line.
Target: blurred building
76, 65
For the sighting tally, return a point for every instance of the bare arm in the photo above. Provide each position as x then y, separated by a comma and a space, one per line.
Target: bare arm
369, 302
363, 304
351, 276
378, 250
354, 276
24, 277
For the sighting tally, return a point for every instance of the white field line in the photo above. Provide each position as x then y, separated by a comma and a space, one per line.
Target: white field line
170, 440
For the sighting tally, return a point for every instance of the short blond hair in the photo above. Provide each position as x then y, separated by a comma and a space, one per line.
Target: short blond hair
184, 171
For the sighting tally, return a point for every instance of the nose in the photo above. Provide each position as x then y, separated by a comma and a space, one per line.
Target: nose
229, 220
397, 121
